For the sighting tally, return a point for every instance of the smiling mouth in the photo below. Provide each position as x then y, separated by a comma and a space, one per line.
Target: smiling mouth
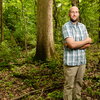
74, 16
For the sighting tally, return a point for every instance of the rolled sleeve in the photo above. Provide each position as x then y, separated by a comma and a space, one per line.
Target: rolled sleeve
85, 31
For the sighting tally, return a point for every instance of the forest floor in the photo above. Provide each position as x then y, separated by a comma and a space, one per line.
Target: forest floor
44, 81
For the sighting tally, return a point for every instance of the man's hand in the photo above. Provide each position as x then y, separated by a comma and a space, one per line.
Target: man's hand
65, 44
89, 40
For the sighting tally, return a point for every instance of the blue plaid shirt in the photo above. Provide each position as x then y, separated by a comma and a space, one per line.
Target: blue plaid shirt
74, 57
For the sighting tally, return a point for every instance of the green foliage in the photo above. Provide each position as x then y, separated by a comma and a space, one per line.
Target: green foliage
93, 55
92, 22
8, 53
20, 21
51, 64
11, 17
61, 8
55, 95
92, 92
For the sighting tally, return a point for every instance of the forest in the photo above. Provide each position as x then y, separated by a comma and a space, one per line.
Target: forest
31, 48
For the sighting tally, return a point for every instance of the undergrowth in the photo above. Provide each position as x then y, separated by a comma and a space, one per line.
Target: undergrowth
46, 79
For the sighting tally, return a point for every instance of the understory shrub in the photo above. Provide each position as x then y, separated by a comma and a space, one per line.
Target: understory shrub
9, 53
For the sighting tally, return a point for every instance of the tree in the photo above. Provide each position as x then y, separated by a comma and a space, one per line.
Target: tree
1, 22
99, 21
45, 40
99, 29
10, 19
75, 2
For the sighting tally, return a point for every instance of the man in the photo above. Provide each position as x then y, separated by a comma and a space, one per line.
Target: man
76, 40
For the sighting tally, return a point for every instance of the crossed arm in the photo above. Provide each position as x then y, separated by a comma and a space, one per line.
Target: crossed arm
70, 43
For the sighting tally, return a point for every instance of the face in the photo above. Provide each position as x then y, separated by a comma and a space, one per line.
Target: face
74, 14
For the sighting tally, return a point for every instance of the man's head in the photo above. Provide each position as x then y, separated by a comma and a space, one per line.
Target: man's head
74, 14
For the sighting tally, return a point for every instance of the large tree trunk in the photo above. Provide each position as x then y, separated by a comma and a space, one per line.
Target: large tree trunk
45, 40
1, 22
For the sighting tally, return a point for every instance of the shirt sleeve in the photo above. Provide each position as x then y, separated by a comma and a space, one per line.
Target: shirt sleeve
85, 31
66, 32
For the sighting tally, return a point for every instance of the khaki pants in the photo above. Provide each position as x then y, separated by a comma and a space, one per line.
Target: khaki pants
73, 82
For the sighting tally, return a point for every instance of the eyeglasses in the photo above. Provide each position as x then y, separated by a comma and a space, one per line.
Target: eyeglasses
74, 12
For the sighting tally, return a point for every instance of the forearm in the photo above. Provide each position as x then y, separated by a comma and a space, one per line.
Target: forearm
70, 43
85, 46
77, 44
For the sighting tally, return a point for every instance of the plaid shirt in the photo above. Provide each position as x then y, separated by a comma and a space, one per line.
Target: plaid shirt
74, 57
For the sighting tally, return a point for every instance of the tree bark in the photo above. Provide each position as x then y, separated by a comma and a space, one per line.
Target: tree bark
45, 40
1, 22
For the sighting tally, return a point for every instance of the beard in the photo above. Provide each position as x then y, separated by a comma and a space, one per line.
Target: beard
74, 20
